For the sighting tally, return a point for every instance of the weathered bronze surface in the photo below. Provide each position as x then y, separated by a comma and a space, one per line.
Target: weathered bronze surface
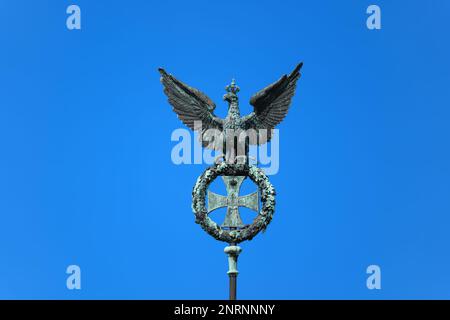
247, 232
233, 201
196, 110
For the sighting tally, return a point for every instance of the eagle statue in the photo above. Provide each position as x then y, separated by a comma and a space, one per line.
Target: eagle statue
196, 111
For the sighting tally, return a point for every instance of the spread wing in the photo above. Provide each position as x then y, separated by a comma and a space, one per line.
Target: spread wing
193, 107
271, 105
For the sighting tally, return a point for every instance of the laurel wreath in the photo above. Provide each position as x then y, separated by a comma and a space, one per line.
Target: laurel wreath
260, 223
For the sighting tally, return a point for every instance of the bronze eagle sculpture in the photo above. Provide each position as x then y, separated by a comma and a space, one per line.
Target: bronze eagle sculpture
196, 111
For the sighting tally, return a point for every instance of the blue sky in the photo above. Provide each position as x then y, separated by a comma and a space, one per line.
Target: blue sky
86, 176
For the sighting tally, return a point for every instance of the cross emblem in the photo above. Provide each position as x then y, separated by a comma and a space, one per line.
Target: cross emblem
232, 201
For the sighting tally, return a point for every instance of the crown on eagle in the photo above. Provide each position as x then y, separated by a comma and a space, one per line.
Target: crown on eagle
232, 87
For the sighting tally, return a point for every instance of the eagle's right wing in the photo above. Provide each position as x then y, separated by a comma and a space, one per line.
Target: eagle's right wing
271, 105
192, 106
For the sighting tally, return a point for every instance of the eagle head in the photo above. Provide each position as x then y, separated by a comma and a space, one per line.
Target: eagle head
232, 90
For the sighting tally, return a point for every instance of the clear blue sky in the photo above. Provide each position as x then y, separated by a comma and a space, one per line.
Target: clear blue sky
86, 175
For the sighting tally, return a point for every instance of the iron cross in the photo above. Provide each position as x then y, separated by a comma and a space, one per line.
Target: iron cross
233, 201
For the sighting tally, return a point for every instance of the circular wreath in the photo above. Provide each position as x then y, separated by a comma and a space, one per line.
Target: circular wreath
264, 217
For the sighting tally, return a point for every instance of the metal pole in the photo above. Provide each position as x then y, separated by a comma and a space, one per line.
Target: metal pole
233, 252
233, 288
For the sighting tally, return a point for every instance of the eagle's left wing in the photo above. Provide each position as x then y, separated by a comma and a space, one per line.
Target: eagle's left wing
193, 108
271, 105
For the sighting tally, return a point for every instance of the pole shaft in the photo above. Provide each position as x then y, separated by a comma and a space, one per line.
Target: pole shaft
233, 286
233, 253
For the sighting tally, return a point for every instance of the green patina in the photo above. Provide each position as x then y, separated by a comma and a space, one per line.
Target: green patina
240, 233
